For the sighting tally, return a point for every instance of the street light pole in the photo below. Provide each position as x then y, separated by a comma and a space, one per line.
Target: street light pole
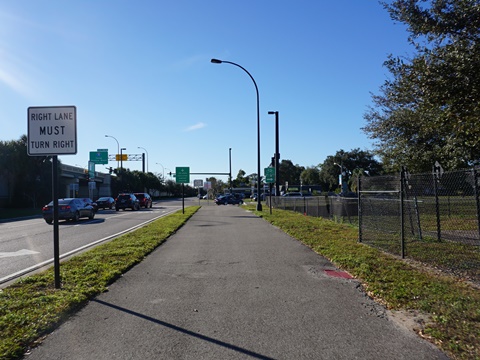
147, 157
121, 158
163, 171
230, 163
217, 61
342, 178
277, 154
118, 145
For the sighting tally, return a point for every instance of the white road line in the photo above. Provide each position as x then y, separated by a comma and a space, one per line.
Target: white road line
62, 256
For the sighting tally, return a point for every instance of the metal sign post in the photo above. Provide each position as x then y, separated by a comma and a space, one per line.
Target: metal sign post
269, 173
53, 131
182, 175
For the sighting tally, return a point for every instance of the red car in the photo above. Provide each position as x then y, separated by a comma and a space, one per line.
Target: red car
144, 199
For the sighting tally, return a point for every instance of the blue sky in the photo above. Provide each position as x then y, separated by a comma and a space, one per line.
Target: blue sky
140, 71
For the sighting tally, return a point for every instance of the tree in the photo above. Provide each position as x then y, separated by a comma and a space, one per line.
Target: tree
430, 108
241, 180
352, 162
310, 176
290, 173
26, 177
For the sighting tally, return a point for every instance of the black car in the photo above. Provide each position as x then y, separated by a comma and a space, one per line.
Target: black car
228, 199
124, 201
105, 202
68, 209
144, 199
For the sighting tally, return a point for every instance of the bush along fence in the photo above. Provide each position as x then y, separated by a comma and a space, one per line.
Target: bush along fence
433, 218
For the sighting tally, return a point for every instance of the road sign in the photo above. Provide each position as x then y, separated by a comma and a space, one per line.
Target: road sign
198, 183
182, 175
121, 157
91, 170
269, 173
52, 130
99, 157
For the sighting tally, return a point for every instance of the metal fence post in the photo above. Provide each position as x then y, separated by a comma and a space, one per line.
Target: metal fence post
359, 202
437, 202
402, 219
477, 200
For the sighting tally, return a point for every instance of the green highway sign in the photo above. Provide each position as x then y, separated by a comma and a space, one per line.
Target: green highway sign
269, 173
182, 175
99, 157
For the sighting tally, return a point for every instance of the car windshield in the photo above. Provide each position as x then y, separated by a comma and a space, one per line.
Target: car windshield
103, 199
140, 196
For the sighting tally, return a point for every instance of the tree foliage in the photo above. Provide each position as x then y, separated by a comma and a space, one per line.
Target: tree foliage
289, 173
352, 162
310, 176
27, 179
429, 109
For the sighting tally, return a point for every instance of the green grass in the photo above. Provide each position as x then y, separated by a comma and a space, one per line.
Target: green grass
33, 307
454, 306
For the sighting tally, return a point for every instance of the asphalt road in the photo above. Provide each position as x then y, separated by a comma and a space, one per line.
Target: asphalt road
228, 285
26, 245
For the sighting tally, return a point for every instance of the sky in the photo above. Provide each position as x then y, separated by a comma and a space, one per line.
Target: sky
140, 72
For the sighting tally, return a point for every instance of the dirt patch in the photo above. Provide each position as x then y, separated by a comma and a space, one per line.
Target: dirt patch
412, 320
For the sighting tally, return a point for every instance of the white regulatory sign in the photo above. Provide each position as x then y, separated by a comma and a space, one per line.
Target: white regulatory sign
52, 130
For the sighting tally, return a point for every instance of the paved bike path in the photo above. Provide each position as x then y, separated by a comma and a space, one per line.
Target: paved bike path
228, 285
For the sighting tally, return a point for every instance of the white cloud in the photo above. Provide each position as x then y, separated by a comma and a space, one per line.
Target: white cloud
198, 126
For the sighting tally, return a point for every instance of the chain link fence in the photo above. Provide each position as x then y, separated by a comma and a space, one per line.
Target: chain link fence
431, 218
337, 208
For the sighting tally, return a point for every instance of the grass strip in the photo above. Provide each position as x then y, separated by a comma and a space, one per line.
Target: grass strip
453, 305
32, 307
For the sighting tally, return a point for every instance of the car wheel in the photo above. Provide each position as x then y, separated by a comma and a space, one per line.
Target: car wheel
76, 217
92, 215
48, 221
116, 209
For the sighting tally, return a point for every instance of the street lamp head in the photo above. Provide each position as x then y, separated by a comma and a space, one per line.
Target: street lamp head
271, 112
123, 149
216, 61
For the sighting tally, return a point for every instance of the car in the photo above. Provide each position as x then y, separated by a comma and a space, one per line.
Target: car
105, 202
124, 201
144, 199
228, 199
68, 209
90, 202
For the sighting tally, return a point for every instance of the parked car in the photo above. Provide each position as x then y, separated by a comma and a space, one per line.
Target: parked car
90, 202
124, 201
228, 199
105, 202
144, 199
68, 209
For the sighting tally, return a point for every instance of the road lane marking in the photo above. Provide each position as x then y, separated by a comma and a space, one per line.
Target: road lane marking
22, 252
72, 252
